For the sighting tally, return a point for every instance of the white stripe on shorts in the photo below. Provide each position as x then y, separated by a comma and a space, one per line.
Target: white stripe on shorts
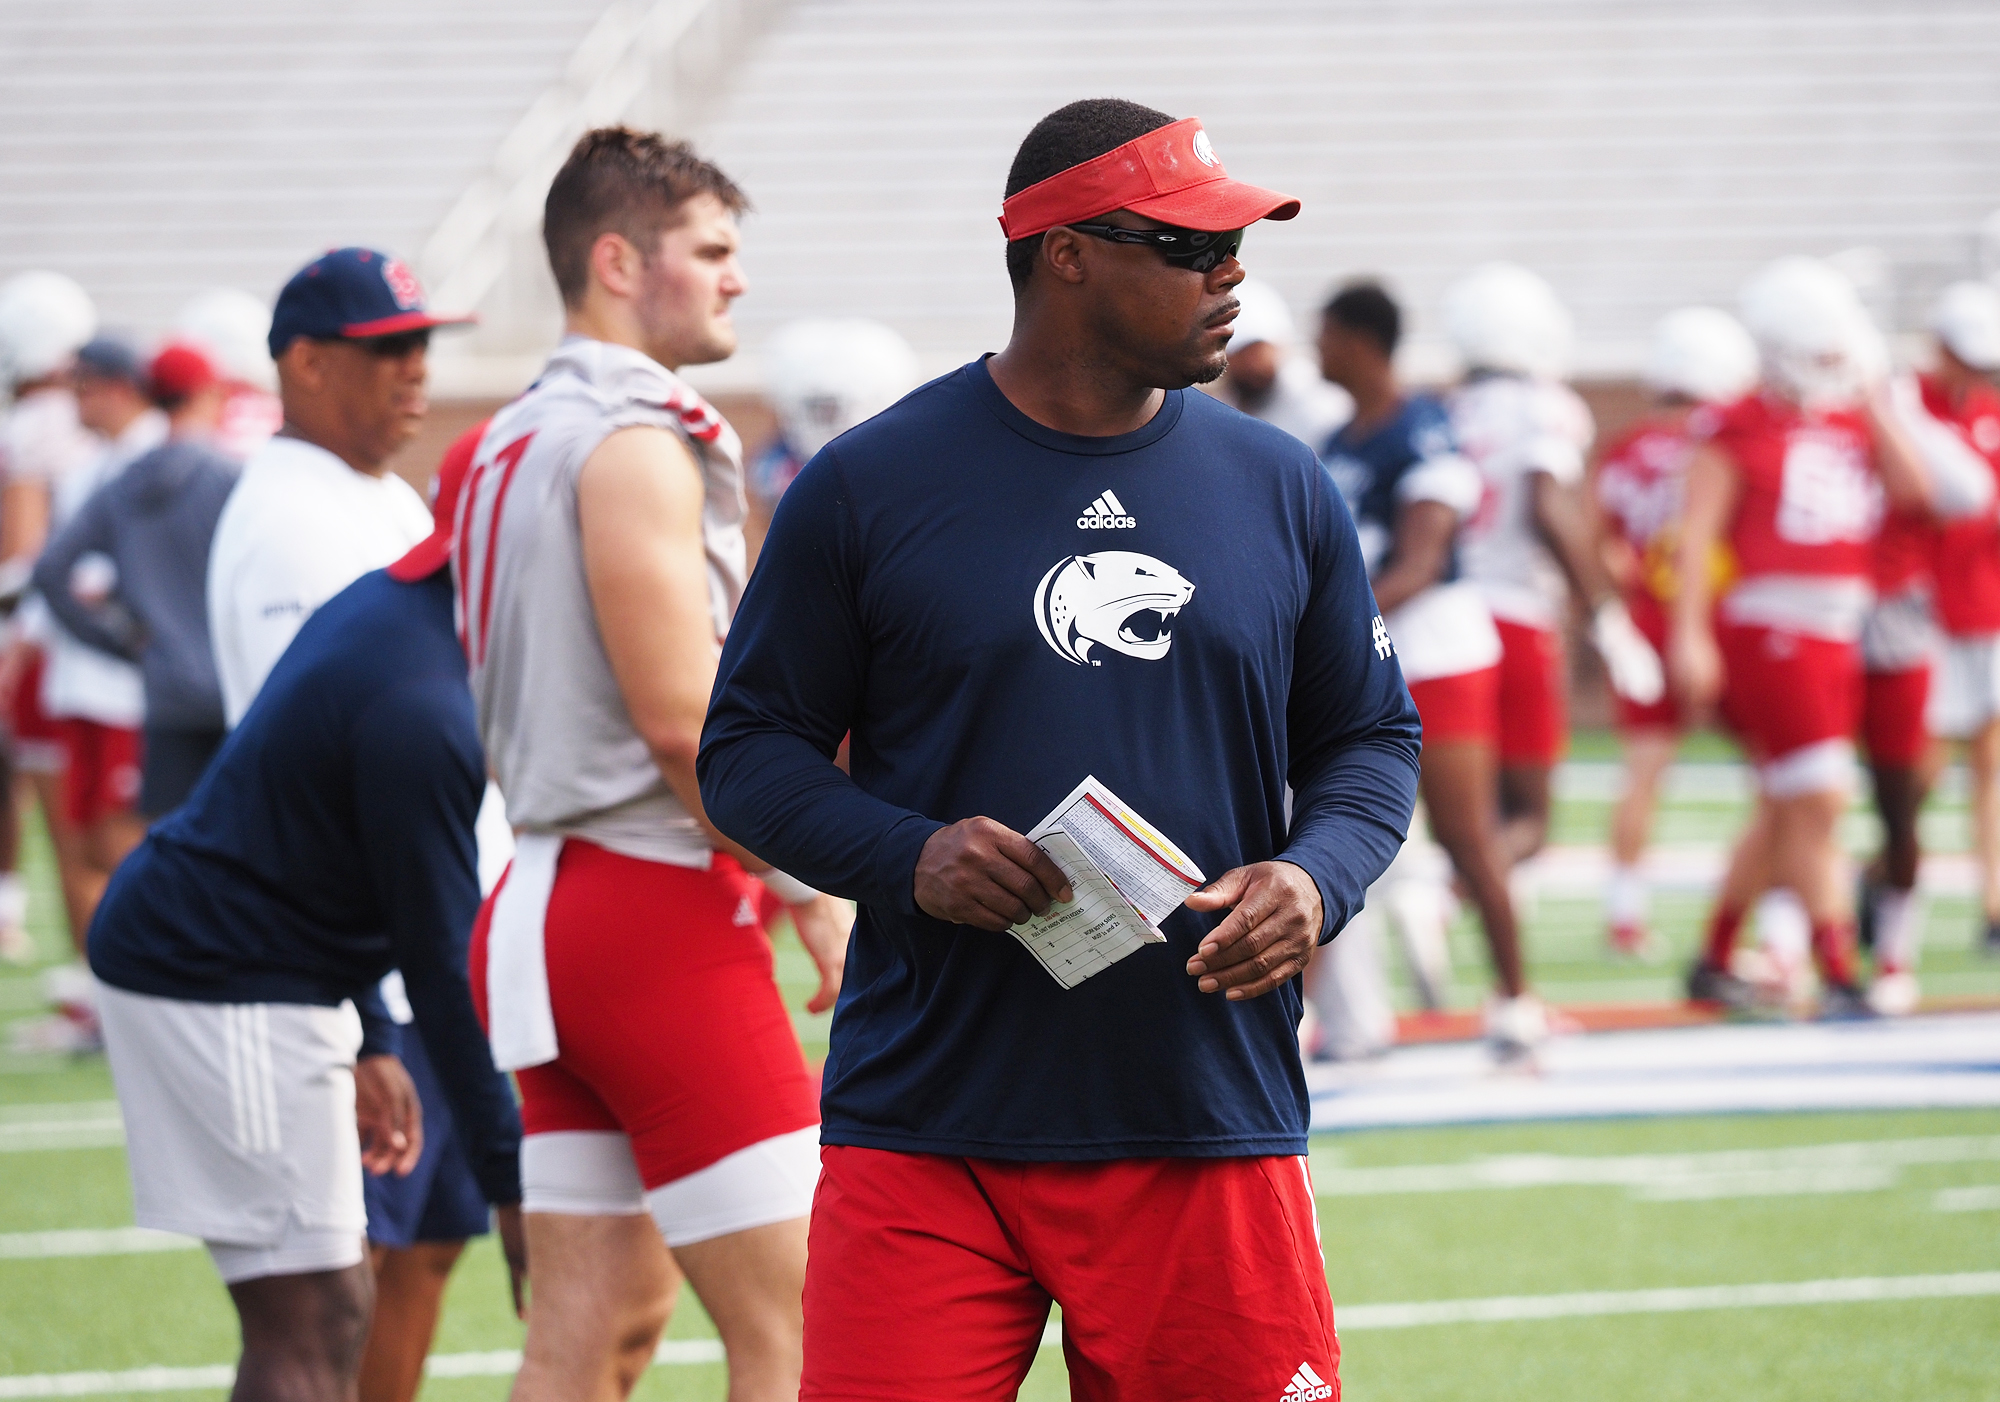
253, 1092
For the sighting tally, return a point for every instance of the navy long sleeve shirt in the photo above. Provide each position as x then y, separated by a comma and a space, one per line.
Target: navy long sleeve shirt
994, 610
331, 841
154, 521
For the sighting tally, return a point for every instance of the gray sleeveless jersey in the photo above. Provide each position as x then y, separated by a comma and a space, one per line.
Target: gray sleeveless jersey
557, 734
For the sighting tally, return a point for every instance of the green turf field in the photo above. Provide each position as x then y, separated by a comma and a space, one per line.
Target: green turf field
1572, 1254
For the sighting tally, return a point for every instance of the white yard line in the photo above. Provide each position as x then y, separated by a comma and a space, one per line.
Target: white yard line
1858, 1166
1509, 1308
70, 1124
1980, 1199
105, 1241
1492, 1310
25, 1136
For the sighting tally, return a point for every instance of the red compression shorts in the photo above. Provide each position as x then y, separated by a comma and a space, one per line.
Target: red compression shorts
1784, 691
1463, 706
1534, 694
102, 779
668, 1019
930, 1277
1892, 716
1649, 615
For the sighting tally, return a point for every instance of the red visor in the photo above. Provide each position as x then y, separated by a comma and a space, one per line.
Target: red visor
1172, 175
433, 552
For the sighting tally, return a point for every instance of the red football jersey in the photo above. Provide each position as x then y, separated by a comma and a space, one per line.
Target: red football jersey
1641, 486
1810, 497
1903, 551
1967, 553
1641, 480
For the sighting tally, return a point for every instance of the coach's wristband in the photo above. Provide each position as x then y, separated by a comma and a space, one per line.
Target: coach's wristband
788, 889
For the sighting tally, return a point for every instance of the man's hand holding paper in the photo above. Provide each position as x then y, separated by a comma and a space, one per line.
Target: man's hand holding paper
981, 873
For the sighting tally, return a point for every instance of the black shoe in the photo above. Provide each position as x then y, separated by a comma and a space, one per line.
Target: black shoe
1864, 910
1845, 1002
1989, 943
1708, 984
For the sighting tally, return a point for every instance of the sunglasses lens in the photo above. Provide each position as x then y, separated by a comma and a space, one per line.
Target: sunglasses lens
1210, 250
396, 347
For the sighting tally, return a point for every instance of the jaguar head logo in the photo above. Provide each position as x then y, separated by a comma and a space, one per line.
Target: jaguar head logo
1124, 600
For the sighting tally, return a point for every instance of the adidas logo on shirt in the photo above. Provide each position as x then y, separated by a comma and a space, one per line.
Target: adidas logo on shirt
1107, 513
1306, 1385
746, 912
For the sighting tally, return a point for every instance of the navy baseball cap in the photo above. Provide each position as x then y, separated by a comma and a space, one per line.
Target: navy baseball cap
110, 356
352, 294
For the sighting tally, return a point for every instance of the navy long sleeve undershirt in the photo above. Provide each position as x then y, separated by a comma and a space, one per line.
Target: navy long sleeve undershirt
994, 610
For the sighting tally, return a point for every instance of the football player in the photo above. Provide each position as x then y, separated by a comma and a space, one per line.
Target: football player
1529, 545
1794, 480
1698, 356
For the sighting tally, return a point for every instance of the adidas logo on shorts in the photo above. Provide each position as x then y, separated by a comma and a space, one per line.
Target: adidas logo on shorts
1107, 513
1306, 1386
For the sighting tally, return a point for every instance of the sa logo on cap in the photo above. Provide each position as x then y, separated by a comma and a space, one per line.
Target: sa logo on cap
1203, 150
403, 284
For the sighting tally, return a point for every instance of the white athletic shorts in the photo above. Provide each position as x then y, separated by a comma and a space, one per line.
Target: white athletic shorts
239, 1127
1899, 635
1965, 694
591, 1173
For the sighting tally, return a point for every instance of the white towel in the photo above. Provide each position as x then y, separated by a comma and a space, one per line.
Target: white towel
521, 1024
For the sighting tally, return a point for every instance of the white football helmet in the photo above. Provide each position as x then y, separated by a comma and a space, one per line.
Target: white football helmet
1967, 320
1817, 343
825, 376
233, 327
1263, 316
1703, 354
44, 320
1503, 317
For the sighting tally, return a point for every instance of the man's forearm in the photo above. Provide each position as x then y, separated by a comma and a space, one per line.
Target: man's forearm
1349, 819
784, 800
677, 768
482, 1105
1559, 520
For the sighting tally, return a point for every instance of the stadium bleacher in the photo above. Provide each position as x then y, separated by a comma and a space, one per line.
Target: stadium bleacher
1642, 154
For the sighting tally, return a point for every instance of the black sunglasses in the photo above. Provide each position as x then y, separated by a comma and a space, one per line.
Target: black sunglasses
392, 347
1195, 249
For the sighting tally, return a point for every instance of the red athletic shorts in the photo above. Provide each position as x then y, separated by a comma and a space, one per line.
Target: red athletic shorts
1649, 615
931, 1277
38, 747
1784, 691
104, 769
668, 1019
1892, 716
1534, 694
1463, 706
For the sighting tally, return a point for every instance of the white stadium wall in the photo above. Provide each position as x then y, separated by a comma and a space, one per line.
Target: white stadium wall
1641, 154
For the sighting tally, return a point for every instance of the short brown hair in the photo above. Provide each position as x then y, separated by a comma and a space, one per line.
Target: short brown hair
621, 181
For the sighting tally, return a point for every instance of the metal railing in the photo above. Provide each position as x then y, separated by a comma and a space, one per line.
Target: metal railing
653, 65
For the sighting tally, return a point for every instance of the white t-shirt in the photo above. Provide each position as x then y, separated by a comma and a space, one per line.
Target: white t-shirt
1514, 427
41, 440
300, 527
78, 680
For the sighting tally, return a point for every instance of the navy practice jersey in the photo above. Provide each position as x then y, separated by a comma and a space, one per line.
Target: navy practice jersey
1370, 469
330, 842
994, 610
